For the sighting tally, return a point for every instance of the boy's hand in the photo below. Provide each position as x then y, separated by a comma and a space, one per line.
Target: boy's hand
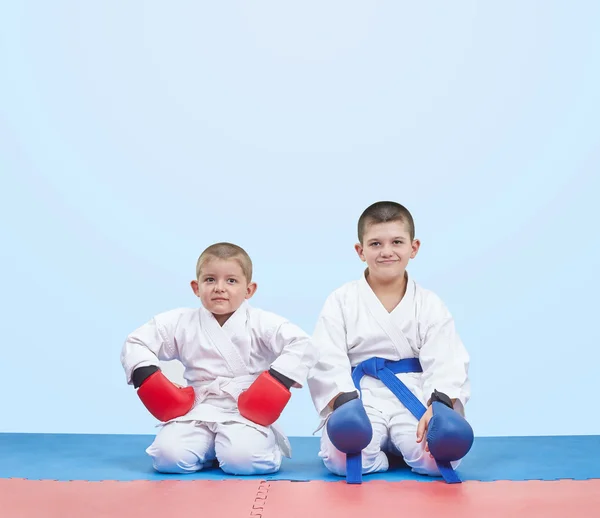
163, 399
349, 427
264, 400
423, 425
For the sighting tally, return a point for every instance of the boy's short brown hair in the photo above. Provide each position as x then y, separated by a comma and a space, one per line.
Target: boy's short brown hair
383, 211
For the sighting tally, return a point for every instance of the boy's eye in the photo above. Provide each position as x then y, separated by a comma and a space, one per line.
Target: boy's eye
374, 243
209, 279
398, 242
232, 281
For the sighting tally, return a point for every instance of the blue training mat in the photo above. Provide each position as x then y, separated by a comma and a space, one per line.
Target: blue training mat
122, 457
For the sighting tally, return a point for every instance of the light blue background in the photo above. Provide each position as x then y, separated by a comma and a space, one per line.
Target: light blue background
134, 134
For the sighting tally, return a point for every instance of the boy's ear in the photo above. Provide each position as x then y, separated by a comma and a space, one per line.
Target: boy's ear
194, 285
416, 244
359, 250
251, 290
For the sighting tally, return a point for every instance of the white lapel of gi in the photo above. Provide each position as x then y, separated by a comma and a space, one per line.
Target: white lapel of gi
221, 341
387, 320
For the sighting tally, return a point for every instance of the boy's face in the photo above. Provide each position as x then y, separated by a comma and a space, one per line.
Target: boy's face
222, 286
387, 248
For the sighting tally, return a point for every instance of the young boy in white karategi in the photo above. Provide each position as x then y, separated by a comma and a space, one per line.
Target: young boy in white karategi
240, 363
395, 342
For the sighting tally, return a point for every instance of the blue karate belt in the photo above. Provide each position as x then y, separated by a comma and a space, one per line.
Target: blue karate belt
386, 370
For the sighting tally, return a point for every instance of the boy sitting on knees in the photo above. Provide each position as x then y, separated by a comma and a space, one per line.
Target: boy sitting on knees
392, 374
240, 363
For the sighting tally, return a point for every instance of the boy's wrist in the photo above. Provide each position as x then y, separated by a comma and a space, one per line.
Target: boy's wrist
342, 398
139, 375
440, 397
284, 380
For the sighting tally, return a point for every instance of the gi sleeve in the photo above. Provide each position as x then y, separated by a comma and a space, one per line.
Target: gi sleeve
443, 356
294, 350
150, 343
331, 375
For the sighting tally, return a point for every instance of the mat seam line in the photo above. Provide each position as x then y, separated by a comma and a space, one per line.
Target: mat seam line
260, 499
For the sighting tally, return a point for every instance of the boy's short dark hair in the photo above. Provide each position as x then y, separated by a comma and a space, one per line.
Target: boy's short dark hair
383, 211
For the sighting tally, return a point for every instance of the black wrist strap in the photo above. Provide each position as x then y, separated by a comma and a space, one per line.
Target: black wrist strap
141, 374
441, 398
284, 380
344, 398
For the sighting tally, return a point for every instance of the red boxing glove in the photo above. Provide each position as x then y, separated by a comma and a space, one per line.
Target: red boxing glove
163, 399
264, 400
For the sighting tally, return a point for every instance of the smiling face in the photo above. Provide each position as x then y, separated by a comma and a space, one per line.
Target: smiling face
222, 287
387, 248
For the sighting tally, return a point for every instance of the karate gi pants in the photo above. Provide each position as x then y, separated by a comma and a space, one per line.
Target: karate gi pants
394, 432
187, 447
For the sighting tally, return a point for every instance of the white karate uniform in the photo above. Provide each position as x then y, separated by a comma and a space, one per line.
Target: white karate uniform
355, 326
220, 363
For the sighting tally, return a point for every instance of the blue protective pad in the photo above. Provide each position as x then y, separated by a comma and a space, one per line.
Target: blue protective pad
122, 457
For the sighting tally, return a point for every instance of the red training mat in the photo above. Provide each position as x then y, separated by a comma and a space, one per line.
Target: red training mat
21, 498
380, 499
